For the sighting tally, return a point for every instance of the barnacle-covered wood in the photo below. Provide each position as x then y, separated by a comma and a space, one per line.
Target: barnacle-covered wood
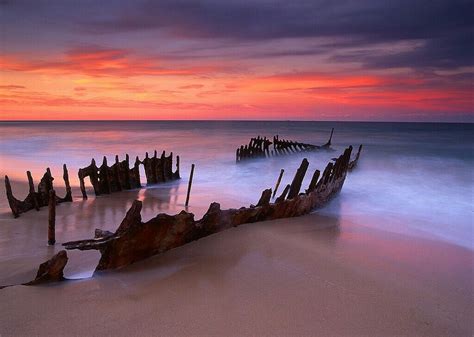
260, 147
35, 200
51, 270
120, 176
135, 240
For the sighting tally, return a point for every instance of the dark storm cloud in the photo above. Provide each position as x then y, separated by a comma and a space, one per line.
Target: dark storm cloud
444, 27
374, 20
451, 51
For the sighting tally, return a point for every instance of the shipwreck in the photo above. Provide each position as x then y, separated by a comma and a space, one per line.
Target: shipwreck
260, 147
108, 179
36, 199
104, 180
135, 240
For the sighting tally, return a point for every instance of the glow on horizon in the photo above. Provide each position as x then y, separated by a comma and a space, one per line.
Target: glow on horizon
108, 84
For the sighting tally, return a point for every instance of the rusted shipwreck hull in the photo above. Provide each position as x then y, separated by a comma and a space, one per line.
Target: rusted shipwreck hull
107, 179
135, 240
104, 180
353, 163
259, 147
35, 200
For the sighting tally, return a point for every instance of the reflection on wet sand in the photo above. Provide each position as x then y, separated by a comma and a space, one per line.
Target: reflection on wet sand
23, 240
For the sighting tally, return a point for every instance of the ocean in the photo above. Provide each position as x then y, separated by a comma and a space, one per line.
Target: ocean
413, 178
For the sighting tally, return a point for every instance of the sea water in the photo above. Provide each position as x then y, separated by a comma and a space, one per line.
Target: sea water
412, 178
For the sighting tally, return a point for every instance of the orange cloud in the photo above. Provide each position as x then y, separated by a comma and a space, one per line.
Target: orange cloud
97, 83
11, 87
192, 86
314, 81
97, 62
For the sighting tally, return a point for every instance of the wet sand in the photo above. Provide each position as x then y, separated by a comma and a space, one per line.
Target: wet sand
313, 275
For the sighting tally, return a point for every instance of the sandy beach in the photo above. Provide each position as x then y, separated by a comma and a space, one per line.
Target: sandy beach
313, 275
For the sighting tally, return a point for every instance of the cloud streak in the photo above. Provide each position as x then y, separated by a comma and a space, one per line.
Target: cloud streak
98, 61
444, 27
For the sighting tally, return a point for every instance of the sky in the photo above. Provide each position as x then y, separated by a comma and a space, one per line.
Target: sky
364, 60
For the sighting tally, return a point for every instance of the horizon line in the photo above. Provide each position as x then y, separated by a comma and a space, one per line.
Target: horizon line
226, 120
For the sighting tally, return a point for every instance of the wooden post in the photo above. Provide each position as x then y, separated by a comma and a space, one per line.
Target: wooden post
104, 185
68, 196
353, 163
282, 197
118, 184
328, 144
49, 180
52, 218
157, 168
162, 167
189, 185
168, 169
147, 167
278, 182
176, 174
82, 185
265, 198
314, 181
136, 170
94, 178
32, 190
11, 198
126, 169
30, 182
298, 179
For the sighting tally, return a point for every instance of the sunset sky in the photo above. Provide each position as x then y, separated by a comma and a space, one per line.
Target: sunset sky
370, 60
